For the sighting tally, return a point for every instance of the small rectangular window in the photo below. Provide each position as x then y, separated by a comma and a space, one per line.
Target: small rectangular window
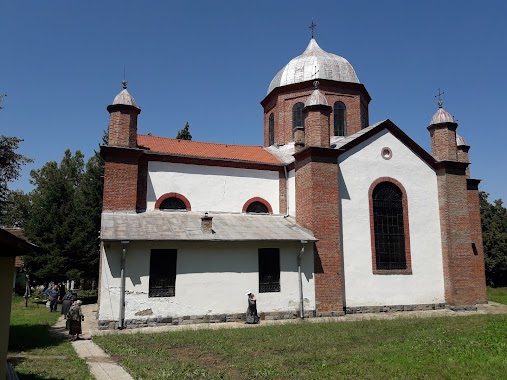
163, 273
269, 270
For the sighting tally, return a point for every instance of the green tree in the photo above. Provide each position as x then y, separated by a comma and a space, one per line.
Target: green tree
184, 134
10, 165
16, 209
494, 234
54, 224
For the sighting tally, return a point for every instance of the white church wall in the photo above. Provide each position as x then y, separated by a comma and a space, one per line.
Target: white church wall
359, 168
211, 278
292, 192
212, 188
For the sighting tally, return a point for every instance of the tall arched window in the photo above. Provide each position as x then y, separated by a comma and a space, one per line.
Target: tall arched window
340, 119
364, 118
271, 129
297, 116
389, 227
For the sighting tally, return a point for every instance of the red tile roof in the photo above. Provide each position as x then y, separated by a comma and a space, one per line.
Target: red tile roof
206, 149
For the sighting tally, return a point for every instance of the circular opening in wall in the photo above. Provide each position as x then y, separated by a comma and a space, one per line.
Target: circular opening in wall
386, 153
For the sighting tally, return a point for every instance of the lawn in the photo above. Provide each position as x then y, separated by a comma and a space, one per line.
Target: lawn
37, 355
497, 295
473, 347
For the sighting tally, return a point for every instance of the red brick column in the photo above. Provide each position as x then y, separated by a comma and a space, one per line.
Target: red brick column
460, 263
317, 125
123, 125
443, 141
317, 208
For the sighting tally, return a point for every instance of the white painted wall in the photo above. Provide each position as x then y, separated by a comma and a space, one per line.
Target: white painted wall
292, 192
359, 168
212, 188
211, 278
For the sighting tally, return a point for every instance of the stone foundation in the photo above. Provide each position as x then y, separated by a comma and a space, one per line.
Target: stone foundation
273, 316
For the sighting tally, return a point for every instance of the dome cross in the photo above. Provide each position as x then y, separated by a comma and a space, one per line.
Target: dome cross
439, 95
312, 27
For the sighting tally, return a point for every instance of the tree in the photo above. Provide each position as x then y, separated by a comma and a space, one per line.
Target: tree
16, 209
494, 234
184, 134
54, 224
10, 165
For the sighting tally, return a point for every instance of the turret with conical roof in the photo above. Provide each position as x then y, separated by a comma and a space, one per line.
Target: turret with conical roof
123, 119
443, 135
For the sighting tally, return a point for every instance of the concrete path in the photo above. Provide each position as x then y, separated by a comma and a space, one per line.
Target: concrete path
101, 365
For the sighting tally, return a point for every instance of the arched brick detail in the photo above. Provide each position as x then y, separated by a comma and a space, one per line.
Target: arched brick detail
404, 201
173, 195
257, 199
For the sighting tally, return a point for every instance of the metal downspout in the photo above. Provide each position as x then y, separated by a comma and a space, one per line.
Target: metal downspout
122, 285
286, 190
301, 309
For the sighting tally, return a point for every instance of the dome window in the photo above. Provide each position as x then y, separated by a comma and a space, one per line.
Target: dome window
297, 116
340, 119
271, 129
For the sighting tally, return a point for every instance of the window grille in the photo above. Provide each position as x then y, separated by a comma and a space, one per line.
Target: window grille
297, 116
271, 129
172, 203
162, 273
257, 208
269, 270
340, 118
389, 227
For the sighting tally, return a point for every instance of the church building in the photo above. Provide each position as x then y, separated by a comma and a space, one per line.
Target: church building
332, 215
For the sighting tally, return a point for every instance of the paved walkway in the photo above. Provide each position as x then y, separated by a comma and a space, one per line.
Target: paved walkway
103, 367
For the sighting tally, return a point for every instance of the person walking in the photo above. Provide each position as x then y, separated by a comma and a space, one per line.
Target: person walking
53, 295
251, 311
75, 316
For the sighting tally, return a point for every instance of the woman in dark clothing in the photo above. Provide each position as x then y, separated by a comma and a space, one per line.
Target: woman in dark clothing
75, 316
67, 303
251, 311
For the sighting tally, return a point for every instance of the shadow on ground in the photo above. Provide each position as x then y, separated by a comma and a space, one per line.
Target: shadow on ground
29, 337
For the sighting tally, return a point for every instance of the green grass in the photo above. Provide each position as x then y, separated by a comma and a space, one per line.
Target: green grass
37, 355
472, 347
497, 295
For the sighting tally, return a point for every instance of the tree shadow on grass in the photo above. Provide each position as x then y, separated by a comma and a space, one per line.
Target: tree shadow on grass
16, 361
29, 337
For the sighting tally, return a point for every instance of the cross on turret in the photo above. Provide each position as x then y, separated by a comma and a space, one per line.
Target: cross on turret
439, 95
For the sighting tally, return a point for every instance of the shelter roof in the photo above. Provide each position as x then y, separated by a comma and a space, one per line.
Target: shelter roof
186, 226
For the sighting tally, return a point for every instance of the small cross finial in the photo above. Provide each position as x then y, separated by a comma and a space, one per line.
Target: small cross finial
316, 84
312, 27
439, 95
314, 75
124, 83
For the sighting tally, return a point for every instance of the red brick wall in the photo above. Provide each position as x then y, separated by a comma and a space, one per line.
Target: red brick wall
317, 208
478, 276
460, 263
282, 186
317, 125
120, 180
282, 103
123, 125
443, 141
462, 152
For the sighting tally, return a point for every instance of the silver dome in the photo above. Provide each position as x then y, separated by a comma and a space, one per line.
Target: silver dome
302, 68
460, 141
124, 97
441, 116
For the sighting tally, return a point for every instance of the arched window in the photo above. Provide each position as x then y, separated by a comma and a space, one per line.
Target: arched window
257, 205
257, 208
297, 116
271, 129
172, 203
390, 228
340, 119
364, 118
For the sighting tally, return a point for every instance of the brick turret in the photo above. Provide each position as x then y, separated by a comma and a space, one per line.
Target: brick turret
463, 259
121, 156
316, 115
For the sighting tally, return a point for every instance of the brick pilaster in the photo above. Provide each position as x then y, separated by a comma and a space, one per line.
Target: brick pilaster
317, 208
317, 125
443, 141
123, 125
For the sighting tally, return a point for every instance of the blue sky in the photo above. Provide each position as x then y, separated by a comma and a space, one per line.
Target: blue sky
210, 63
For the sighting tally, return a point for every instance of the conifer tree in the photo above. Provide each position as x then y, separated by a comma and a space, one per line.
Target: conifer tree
184, 134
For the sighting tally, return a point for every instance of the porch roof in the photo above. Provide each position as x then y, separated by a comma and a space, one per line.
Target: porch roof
186, 226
